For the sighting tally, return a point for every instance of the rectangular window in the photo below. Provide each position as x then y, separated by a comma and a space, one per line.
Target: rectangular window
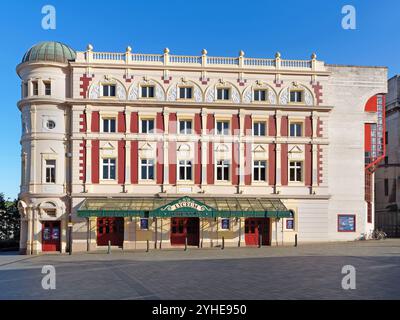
259, 128
185, 170
109, 169
223, 127
50, 171
185, 93
47, 88
259, 170
185, 126
260, 95
109, 125
386, 186
147, 169
296, 96
144, 224
225, 224
147, 126
222, 170
147, 91
35, 88
296, 129
296, 171
223, 94
109, 90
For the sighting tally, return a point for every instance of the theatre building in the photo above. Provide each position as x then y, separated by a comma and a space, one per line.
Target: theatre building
161, 150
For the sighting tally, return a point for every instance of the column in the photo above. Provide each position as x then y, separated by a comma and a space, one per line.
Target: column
314, 162
88, 162
241, 148
278, 176
35, 229
29, 231
127, 163
203, 148
166, 145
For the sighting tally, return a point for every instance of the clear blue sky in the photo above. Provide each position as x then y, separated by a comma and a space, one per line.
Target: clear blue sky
260, 28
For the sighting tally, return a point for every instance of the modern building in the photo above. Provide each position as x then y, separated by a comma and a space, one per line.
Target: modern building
163, 150
388, 173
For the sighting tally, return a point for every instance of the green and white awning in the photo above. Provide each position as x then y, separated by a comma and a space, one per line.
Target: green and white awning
204, 207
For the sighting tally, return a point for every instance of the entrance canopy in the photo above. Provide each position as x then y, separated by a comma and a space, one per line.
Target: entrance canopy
185, 207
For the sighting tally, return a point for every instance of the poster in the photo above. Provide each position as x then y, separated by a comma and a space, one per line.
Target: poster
346, 223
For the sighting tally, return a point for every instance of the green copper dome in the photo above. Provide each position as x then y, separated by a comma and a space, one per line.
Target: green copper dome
49, 51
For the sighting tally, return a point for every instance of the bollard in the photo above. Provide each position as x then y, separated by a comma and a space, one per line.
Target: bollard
148, 245
295, 240
186, 243
223, 243
201, 243
109, 247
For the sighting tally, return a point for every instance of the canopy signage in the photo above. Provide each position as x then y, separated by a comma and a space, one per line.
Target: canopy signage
186, 202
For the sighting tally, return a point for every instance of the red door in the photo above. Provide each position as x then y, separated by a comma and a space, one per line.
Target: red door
110, 229
185, 227
51, 236
256, 228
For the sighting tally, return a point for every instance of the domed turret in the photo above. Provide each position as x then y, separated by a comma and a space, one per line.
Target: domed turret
50, 51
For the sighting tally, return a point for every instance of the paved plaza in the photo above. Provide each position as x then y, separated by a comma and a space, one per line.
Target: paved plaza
305, 272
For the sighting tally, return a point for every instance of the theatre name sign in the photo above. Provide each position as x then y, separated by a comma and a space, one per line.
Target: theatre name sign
186, 206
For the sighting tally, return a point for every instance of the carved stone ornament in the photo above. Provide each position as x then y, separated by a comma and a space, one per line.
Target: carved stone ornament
172, 94
284, 97
210, 96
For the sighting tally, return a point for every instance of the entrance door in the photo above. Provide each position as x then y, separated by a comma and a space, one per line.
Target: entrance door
110, 229
51, 236
254, 227
185, 227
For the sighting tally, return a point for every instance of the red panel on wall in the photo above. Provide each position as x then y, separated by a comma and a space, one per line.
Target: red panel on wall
134, 122
308, 127
235, 163
134, 162
121, 162
172, 123
210, 164
159, 122
271, 126
367, 137
308, 165
271, 164
197, 164
372, 104
121, 121
210, 123
197, 123
235, 124
95, 161
160, 162
284, 164
172, 161
95, 121
247, 125
284, 126
247, 163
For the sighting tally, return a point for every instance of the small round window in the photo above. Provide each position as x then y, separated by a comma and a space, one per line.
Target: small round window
50, 124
